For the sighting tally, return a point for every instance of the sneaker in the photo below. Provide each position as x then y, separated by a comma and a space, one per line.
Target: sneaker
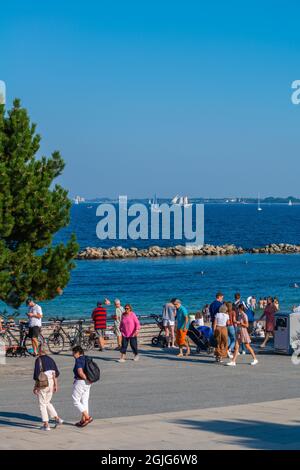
231, 363
136, 358
230, 355
122, 360
45, 428
243, 352
254, 362
59, 421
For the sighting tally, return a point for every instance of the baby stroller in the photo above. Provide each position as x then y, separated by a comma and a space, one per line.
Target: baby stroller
202, 337
160, 339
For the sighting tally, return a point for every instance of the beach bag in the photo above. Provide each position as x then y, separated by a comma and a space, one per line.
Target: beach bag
91, 370
42, 380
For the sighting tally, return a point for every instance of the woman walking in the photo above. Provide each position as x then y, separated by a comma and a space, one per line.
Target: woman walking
242, 336
231, 329
45, 376
129, 327
269, 314
220, 333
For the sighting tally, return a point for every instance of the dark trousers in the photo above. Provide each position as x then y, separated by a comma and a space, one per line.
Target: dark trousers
133, 345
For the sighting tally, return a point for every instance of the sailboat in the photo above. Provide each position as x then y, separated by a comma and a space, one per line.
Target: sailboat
154, 204
181, 201
259, 208
290, 202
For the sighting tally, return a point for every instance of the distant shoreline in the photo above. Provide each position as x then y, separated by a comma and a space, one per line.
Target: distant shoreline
119, 252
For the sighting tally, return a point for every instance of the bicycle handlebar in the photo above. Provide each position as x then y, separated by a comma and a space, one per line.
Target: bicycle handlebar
57, 319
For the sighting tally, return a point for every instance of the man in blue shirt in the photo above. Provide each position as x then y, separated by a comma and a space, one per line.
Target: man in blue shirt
182, 323
215, 305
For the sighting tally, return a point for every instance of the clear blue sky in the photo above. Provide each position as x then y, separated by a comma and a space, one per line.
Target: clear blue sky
161, 96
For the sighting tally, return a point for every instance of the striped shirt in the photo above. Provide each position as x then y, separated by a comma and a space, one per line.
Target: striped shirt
99, 318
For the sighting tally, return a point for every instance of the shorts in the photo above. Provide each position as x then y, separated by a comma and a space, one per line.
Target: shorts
168, 323
181, 338
117, 329
34, 331
100, 332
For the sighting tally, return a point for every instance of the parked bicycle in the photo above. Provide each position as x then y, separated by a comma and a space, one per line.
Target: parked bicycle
18, 344
76, 337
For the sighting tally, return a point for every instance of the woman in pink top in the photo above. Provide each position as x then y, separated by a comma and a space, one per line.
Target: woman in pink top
269, 314
129, 328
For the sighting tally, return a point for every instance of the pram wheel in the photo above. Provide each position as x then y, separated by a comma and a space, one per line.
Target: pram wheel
155, 341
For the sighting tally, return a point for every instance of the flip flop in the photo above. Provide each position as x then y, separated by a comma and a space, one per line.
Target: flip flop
88, 421
79, 424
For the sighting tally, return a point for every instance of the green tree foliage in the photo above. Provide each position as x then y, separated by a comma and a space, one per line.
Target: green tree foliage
32, 210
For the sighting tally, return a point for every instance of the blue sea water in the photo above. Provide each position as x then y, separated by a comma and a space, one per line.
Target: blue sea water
148, 283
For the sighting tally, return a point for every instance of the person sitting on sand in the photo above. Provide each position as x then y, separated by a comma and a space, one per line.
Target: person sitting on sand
182, 324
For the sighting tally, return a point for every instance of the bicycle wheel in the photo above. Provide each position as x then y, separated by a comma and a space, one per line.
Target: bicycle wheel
56, 343
5, 342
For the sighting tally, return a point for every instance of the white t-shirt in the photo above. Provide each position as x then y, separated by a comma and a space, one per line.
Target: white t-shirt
36, 309
222, 318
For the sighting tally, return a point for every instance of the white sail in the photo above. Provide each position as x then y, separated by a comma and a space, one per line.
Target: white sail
175, 199
258, 204
185, 200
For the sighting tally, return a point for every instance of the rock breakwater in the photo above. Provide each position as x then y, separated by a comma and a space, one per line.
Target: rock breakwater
119, 252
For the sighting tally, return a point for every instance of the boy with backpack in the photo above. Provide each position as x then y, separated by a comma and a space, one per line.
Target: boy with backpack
86, 372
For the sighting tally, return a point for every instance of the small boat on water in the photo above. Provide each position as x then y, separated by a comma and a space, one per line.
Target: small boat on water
154, 205
78, 199
259, 208
290, 202
181, 201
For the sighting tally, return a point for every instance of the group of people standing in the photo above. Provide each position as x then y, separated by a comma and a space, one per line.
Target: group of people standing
126, 327
232, 324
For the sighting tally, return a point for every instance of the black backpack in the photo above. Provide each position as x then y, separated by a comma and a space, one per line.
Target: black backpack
91, 370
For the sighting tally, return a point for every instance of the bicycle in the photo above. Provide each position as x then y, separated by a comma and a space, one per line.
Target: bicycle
56, 340
18, 346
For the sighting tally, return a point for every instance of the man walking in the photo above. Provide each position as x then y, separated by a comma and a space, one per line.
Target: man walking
99, 317
119, 310
215, 305
35, 315
182, 320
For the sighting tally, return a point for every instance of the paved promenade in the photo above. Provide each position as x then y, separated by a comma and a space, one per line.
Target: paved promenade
161, 402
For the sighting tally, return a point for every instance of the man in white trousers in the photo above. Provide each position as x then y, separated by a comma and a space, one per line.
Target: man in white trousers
81, 387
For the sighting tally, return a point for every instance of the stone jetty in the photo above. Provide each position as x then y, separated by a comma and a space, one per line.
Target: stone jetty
119, 252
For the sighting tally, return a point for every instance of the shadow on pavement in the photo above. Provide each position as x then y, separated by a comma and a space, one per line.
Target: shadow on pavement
250, 433
19, 420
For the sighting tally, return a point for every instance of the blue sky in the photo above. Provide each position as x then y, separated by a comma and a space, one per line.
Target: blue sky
153, 96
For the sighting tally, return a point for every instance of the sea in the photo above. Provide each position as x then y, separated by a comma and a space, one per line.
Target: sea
148, 283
